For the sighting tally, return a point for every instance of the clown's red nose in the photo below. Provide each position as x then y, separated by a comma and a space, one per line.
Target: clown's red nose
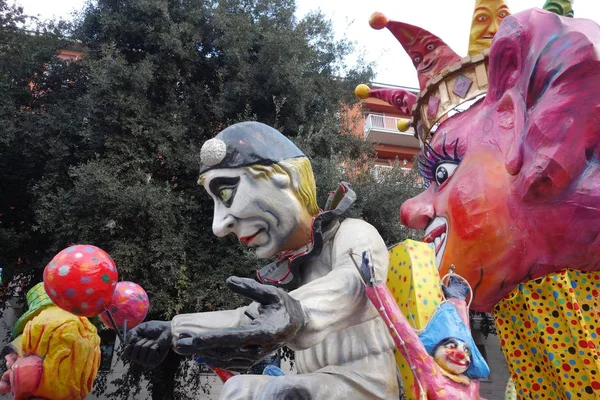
460, 355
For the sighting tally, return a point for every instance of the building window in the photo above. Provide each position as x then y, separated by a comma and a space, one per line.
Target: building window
108, 338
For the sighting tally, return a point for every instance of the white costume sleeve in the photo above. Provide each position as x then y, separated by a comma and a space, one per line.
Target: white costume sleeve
338, 300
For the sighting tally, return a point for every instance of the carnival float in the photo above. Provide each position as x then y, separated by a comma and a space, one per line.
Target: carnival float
510, 147
511, 204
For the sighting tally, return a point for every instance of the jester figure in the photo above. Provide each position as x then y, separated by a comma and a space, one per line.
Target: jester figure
55, 355
514, 198
312, 300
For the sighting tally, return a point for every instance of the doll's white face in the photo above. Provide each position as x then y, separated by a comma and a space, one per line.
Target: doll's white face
262, 213
454, 356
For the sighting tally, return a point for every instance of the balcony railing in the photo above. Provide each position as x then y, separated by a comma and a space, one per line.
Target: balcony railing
383, 123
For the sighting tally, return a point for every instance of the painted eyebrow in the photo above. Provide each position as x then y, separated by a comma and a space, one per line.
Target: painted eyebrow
218, 182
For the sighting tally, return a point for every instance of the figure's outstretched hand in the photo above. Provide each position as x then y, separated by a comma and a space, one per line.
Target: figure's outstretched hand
148, 343
279, 319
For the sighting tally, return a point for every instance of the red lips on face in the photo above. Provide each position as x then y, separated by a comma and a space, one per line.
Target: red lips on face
457, 357
247, 240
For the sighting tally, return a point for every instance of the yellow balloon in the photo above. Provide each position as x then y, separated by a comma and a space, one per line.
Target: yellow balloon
362, 91
403, 125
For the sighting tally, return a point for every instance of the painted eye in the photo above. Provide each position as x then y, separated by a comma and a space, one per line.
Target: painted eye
451, 345
430, 47
503, 14
482, 18
417, 60
225, 194
444, 171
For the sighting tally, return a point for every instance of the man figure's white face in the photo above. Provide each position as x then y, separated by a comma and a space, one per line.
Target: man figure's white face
262, 213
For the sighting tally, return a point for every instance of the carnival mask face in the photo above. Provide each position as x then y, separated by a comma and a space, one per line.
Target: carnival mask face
399, 98
430, 55
453, 355
514, 180
487, 18
262, 212
466, 211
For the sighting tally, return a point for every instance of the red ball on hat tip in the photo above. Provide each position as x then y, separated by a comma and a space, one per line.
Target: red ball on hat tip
81, 279
129, 303
378, 20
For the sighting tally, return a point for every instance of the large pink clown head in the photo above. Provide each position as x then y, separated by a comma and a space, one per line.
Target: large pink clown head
428, 52
515, 180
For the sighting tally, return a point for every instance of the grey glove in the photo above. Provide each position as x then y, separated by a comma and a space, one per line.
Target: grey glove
148, 343
279, 318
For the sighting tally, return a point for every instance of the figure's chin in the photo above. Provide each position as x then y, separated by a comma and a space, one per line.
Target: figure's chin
267, 250
264, 252
480, 45
455, 371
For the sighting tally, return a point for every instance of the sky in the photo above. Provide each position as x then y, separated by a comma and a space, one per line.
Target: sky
451, 21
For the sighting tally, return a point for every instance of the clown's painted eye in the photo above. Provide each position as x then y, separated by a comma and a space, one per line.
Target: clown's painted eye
444, 171
225, 194
430, 47
417, 59
438, 166
503, 14
451, 345
224, 188
482, 18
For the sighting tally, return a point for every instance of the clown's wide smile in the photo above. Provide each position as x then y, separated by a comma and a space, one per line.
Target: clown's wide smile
435, 235
460, 362
427, 67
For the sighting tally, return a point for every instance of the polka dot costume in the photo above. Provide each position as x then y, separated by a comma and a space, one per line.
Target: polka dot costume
414, 282
81, 279
510, 393
549, 330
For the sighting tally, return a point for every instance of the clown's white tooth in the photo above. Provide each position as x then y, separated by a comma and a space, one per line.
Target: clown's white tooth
437, 241
443, 236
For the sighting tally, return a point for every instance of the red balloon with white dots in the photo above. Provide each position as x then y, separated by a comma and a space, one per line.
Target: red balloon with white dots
81, 279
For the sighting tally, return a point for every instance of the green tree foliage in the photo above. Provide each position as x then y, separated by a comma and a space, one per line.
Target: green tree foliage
105, 150
37, 100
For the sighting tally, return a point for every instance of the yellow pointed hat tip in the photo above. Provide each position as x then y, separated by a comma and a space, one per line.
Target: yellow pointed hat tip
362, 91
378, 20
403, 125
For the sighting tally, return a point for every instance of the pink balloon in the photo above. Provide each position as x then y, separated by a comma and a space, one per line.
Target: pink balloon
129, 302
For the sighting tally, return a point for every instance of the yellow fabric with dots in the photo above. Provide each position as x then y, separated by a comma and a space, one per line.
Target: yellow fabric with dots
415, 284
549, 330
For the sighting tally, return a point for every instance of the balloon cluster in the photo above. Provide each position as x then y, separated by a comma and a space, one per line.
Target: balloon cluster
83, 280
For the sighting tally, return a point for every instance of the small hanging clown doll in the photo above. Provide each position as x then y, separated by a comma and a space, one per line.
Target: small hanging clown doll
445, 361
55, 355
